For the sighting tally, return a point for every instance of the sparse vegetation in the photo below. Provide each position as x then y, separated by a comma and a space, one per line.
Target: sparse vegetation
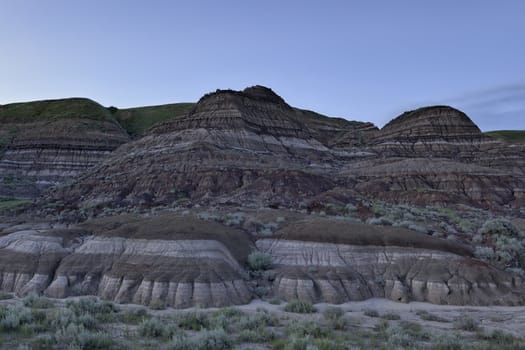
371, 313
300, 307
391, 316
513, 136
259, 261
137, 120
155, 328
37, 302
467, 323
427, 316
79, 325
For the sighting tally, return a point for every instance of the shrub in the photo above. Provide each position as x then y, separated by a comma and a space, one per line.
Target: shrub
415, 330
448, 343
371, 313
180, 342
425, 315
92, 306
399, 338
258, 261
5, 296
301, 307
216, 339
44, 341
38, 302
379, 221
275, 301
258, 320
335, 318
498, 227
391, 316
38, 316
94, 340
261, 335
466, 323
266, 229
134, 316
193, 320
333, 313
261, 291
157, 305
14, 317
155, 328
62, 318
234, 219
87, 321
382, 326
307, 328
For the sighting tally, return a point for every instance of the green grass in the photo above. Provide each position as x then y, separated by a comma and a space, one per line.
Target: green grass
512, 136
137, 120
300, 307
12, 203
28, 112
134, 120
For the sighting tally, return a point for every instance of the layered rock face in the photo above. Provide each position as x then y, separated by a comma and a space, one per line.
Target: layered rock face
248, 147
182, 261
424, 181
335, 262
50, 142
438, 131
249, 150
438, 155
172, 261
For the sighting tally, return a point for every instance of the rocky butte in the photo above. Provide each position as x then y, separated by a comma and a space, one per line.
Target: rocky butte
243, 196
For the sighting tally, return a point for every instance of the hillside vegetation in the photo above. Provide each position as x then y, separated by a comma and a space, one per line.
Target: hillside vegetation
512, 136
137, 120
134, 120
28, 112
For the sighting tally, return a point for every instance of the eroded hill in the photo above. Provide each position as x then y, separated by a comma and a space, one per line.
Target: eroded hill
337, 210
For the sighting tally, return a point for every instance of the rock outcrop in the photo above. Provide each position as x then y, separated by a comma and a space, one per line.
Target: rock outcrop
182, 261
245, 147
51, 142
437, 131
246, 151
322, 260
171, 261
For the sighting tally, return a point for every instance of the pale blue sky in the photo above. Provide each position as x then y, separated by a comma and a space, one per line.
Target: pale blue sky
363, 60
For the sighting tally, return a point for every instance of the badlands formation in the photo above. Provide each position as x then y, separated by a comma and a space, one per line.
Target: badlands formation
242, 196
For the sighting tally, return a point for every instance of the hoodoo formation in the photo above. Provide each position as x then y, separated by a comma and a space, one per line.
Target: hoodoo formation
343, 210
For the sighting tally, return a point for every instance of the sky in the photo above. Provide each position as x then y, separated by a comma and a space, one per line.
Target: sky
361, 60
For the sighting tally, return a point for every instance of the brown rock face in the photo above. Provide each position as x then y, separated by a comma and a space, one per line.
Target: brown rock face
438, 155
248, 147
251, 147
50, 142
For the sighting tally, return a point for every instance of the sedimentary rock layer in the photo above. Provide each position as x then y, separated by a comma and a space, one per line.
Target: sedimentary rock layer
348, 262
245, 147
438, 131
50, 142
190, 266
338, 273
439, 180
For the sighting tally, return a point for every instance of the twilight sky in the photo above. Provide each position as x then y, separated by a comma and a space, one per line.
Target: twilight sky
362, 60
